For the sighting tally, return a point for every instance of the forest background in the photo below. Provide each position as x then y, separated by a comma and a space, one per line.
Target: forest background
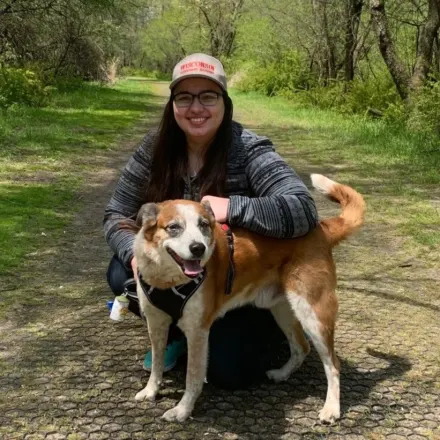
376, 58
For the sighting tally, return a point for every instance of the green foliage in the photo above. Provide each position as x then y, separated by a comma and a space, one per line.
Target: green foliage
21, 86
377, 93
66, 83
255, 40
357, 97
289, 78
425, 110
286, 75
170, 35
328, 97
396, 114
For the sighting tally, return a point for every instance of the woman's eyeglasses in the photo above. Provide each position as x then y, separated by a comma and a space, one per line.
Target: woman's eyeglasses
207, 98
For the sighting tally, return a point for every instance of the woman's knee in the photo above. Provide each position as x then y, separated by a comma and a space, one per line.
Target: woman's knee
117, 275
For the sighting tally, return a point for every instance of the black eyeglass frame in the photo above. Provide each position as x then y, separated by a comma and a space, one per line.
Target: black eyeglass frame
197, 95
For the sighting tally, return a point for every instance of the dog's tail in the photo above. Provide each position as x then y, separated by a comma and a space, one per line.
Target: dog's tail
353, 209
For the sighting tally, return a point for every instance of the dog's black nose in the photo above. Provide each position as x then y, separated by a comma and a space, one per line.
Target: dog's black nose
197, 249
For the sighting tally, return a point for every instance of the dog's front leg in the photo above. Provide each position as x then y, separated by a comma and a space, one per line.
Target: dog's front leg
195, 375
158, 327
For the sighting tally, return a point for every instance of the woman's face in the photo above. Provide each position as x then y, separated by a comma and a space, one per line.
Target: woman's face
199, 122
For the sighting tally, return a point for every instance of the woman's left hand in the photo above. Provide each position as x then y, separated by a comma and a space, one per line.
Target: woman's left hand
220, 207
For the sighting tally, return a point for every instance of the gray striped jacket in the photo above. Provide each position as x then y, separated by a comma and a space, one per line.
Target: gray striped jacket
265, 195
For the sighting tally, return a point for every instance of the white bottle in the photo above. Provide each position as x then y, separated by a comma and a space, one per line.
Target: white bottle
120, 308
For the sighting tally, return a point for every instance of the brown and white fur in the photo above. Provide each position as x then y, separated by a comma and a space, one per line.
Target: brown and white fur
294, 278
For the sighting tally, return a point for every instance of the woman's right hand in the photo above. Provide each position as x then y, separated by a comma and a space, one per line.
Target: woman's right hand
134, 268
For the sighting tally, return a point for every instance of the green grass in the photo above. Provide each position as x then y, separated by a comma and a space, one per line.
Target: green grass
398, 171
45, 154
30, 213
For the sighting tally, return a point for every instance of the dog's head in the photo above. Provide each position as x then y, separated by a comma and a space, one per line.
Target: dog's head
177, 237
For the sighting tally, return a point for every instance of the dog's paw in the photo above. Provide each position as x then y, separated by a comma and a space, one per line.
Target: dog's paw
329, 414
146, 394
176, 414
277, 375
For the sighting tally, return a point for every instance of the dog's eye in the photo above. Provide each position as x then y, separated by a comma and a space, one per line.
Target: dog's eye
173, 227
204, 224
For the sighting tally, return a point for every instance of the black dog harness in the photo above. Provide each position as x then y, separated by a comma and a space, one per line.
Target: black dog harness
173, 300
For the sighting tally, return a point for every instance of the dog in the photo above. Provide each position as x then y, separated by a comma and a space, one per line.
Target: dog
294, 278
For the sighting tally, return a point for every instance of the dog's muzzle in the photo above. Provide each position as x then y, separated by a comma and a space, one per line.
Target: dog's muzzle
191, 268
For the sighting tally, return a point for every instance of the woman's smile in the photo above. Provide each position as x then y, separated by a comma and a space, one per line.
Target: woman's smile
199, 122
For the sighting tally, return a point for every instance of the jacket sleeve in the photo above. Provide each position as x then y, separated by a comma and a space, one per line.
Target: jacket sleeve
281, 205
128, 197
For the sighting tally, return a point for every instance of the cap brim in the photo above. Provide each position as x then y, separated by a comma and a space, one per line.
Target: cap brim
195, 75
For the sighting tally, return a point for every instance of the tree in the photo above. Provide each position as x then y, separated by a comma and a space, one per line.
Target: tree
221, 19
353, 12
65, 37
326, 44
171, 33
407, 83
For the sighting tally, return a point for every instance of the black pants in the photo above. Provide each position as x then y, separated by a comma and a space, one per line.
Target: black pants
242, 344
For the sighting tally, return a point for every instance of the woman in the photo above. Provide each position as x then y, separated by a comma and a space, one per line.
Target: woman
200, 153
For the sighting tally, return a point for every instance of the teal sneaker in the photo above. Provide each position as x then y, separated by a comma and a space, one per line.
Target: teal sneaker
172, 353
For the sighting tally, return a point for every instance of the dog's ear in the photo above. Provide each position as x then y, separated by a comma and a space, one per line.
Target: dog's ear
147, 215
207, 206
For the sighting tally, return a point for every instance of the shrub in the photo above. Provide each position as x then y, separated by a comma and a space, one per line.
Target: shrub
328, 97
21, 86
361, 97
378, 94
290, 77
286, 75
425, 109
66, 83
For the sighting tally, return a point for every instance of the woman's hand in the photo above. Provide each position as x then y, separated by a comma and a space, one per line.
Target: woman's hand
219, 206
134, 268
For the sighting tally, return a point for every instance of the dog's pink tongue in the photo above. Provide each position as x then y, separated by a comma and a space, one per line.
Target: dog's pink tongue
192, 267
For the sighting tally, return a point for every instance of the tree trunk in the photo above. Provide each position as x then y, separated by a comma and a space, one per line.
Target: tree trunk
352, 18
428, 34
386, 45
326, 50
436, 63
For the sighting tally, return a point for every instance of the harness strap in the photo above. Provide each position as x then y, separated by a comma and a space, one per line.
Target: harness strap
231, 269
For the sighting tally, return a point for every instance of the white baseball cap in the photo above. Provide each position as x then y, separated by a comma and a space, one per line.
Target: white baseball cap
199, 65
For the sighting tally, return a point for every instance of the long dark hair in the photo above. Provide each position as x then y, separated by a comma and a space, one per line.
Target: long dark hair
170, 158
